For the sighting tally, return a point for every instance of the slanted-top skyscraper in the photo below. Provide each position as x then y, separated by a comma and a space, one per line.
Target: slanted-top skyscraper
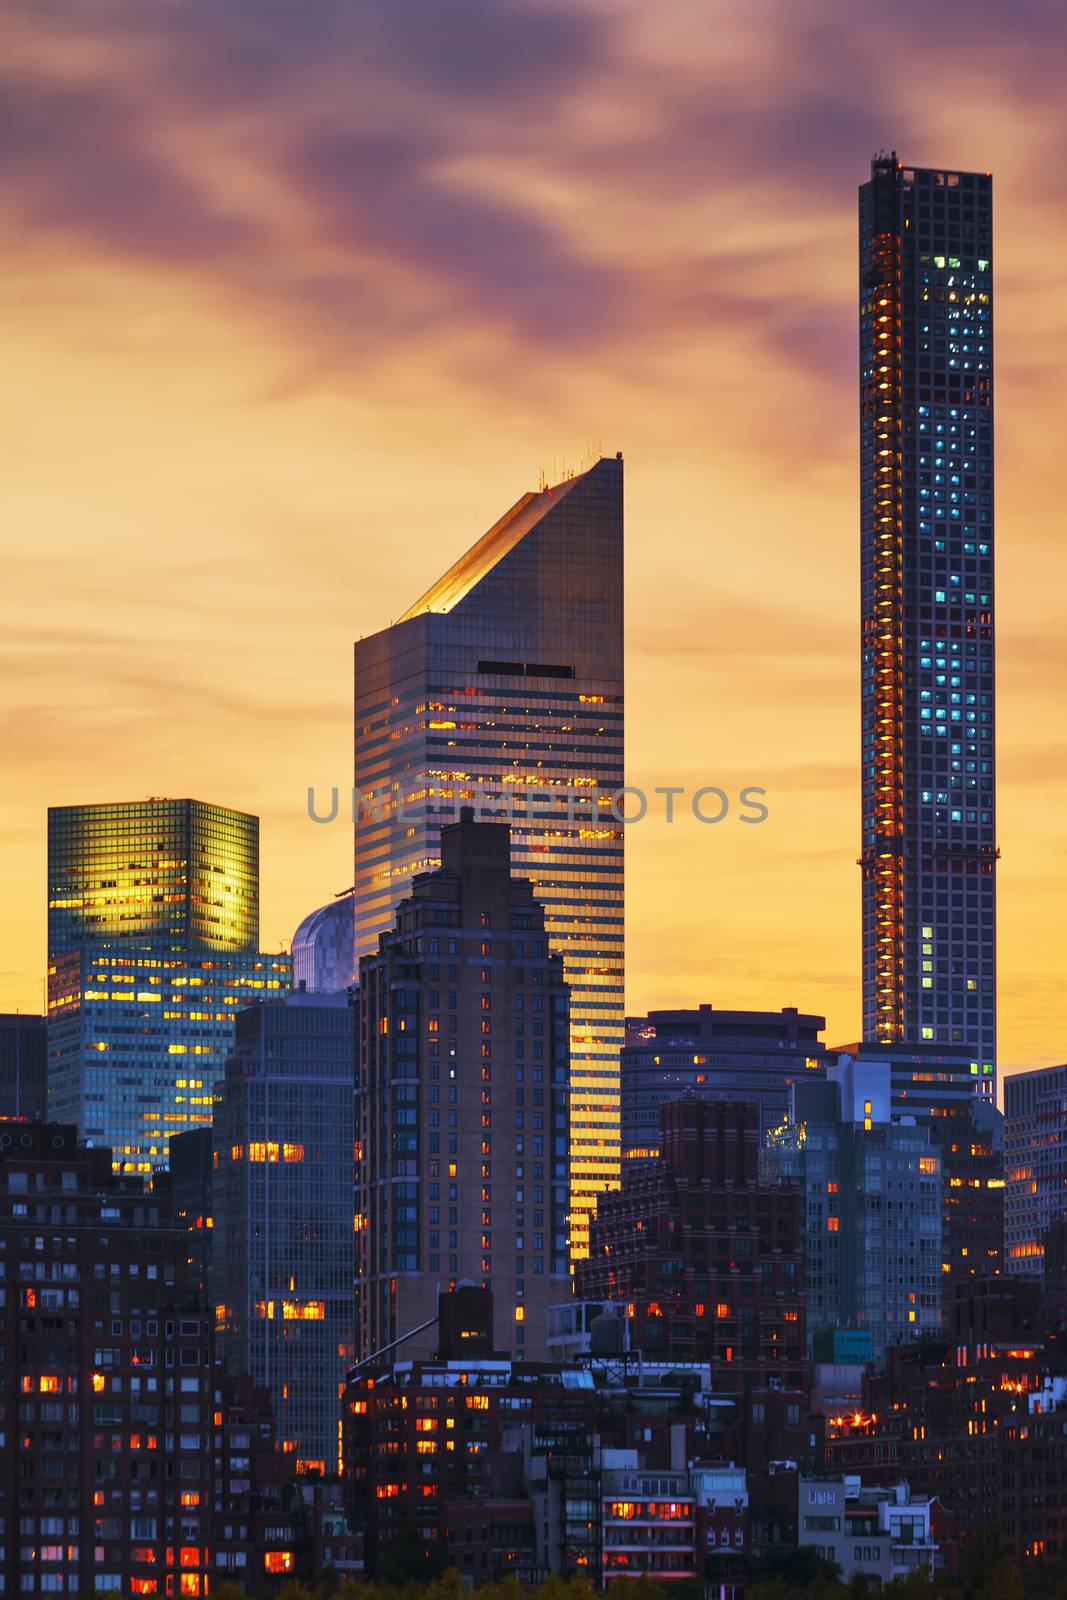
926, 440
502, 688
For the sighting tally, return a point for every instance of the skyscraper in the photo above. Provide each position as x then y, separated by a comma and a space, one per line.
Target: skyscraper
178, 875
502, 688
926, 442
462, 1139
283, 1249
153, 926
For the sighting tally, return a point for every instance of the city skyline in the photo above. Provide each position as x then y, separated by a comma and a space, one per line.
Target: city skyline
693, 326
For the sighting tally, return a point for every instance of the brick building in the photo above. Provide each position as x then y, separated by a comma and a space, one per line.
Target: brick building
706, 1259
462, 1103
129, 1463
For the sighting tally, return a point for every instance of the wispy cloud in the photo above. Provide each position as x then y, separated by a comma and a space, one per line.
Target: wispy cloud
300, 297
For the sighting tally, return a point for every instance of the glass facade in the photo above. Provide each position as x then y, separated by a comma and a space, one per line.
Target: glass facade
138, 1040
871, 1206
707, 1054
1035, 1137
926, 417
323, 949
176, 874
283, 1258
153, 924
502, 688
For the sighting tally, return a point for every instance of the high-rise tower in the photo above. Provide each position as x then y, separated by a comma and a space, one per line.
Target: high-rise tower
153, 928
179, 875
926, 443
462, 1136
502, 688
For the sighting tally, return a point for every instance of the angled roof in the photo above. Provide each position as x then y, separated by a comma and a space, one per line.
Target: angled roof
482, 557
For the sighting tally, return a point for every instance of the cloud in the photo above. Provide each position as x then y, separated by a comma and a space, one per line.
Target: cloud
77, 158
305, 295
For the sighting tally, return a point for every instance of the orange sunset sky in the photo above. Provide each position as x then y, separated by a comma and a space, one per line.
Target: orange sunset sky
299, 297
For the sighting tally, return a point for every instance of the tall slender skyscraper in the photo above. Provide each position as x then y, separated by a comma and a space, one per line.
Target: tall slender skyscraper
926, 441
502, 688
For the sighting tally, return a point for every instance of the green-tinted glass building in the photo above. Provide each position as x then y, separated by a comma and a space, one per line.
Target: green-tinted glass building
502, 688
153, 933
176, 874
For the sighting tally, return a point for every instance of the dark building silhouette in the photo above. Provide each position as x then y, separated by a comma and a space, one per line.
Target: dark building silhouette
462, 1138
283, 1247
732, 1056
89, 1490
189, 1187
977, 1418
706, 1259
927, 640
1035, 1138
23, 1066
1055, 1275
871, 1203
131, 1458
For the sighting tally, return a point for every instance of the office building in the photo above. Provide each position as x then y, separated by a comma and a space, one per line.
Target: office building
729, 1056
153, 929
177, 875
283, 1247
323, 948
927, 1082
23, 1066
706, 1261
462, 1137
928, 756
935, 1086
502, 688
138, 1041
871, 1200
1035, 1162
